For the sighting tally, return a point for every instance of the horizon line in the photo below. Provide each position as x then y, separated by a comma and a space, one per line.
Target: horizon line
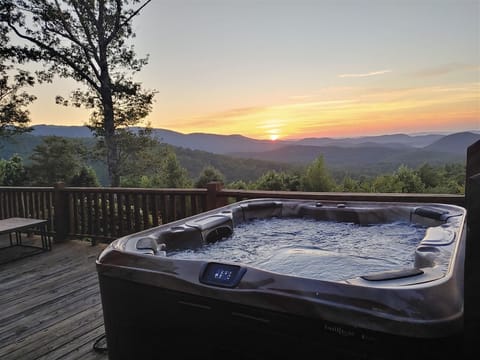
288, 139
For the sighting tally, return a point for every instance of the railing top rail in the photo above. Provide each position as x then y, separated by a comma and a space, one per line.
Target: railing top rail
343, 196
26, 188
135, 190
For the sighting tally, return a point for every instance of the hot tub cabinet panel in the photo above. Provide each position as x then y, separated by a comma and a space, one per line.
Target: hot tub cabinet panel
161, 307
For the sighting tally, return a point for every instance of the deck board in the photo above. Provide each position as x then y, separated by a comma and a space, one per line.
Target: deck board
50, 306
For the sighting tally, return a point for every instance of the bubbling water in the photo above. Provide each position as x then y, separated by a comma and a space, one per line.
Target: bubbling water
314, 249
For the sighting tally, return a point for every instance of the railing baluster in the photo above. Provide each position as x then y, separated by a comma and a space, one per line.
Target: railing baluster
104, 213
121, 213
50, 211
146, 211
136, 211
163, 208
155, 214
128, 211
171, 208
84, 211
89, 213
111, 214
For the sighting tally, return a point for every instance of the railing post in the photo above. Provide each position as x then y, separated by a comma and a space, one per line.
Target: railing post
60, 220
213, 200
472, 251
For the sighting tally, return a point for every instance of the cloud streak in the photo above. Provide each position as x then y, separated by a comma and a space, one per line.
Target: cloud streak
445, 69
372, 73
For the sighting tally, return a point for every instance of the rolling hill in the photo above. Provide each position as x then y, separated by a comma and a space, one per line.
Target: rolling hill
447, 149
455, 143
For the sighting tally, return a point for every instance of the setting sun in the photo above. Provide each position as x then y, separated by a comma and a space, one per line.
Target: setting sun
273, 137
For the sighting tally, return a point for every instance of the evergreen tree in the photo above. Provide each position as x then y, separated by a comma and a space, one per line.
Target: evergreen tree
408, 181
12, 172
278, 181
209, 174
174, 175
317, 177
86, 177
56, 159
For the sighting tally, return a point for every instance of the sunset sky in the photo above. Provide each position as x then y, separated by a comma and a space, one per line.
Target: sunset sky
296, 68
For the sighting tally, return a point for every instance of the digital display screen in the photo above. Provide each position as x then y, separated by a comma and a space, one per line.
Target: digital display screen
225, 275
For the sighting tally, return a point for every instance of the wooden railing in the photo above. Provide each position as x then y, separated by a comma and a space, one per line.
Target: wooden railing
28, 202
108, 213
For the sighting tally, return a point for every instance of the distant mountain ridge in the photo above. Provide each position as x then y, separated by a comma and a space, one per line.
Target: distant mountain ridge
61, 130
447, 149
235, 144
393, 140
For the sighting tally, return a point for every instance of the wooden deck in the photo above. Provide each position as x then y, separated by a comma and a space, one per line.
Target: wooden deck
50, 305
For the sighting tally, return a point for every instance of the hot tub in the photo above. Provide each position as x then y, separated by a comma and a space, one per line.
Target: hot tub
390, 286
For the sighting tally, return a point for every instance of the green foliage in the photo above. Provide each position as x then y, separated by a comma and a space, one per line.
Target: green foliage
385, 184
173, 174
233, 168
138, 154
278, 181
317, 177
12, 172
14, 117
56, 159
408, 180
238, 185
451, 180
86, 177
448, 179
168, 173
209, 174
428, 175
350, 185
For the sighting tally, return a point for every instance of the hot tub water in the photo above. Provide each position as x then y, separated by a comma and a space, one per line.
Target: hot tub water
322, 250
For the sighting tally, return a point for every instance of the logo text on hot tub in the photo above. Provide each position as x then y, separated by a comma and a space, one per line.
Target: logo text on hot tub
338, 330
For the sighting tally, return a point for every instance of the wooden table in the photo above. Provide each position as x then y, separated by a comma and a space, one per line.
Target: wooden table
15, 226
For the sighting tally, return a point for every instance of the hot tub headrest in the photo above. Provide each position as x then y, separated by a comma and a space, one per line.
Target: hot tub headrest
432, 213
213, 228
262, 205
149, 245
261, 209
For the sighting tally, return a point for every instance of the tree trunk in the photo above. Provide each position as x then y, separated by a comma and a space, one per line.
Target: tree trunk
107, 103
110, 140
109, 127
